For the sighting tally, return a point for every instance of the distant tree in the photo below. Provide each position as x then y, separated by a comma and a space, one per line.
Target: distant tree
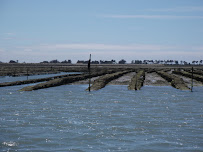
145, 62
95, 62
195, 62
113, 61
80, 61
122, 61
69, 61
64, 61
176, 62
12, 61
138, 62
44, 62
157, 61
185, 63
108, 62
150, 61
54, 61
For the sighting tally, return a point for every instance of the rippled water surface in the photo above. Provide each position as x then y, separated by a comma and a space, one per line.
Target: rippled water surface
68, 118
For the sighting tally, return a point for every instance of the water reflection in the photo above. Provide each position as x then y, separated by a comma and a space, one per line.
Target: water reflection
22, 78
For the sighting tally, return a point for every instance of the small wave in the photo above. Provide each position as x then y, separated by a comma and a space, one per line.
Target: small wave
10, 143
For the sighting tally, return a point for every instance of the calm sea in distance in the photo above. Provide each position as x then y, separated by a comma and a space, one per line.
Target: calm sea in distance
68, 118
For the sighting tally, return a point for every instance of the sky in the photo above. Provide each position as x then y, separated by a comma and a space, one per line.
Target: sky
33, 31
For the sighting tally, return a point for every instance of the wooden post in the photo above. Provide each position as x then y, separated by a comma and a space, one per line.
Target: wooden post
27, 73
89, 71
136, 81
192, 80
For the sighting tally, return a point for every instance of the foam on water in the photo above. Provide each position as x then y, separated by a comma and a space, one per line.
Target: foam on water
10, 144
68, 118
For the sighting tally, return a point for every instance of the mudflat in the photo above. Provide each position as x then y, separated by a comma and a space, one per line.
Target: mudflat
151, 74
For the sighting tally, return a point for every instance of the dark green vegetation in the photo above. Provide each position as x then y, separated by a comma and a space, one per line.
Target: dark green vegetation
102, 81
199, 72
175, 81
63, 81
137, 81
189, 75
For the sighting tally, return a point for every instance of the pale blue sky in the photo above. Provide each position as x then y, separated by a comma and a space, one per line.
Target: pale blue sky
38, 30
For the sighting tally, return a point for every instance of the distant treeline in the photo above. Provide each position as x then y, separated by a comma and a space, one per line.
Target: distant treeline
168, 62
176, 62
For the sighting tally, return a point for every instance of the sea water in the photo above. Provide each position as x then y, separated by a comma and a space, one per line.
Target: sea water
68, 118
23, 78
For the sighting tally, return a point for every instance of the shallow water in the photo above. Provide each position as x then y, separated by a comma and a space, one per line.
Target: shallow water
68, 118
22, 78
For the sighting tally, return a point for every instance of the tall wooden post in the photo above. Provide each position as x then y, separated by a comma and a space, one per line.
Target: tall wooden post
27, 73
192, 80
89, 71
136, 81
